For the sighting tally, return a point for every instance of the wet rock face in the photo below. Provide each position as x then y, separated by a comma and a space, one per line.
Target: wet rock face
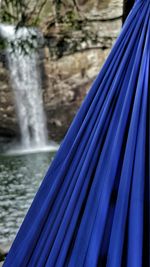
67, 82
69, 65
8, 119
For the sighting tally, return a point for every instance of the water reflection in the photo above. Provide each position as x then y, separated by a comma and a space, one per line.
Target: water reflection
20, 177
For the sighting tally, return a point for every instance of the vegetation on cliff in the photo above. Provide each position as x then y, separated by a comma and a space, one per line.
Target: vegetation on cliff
68, 26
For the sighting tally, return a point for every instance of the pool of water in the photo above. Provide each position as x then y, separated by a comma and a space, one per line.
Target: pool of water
20, 178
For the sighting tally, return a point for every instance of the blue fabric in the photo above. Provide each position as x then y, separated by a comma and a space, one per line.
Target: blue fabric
92, 208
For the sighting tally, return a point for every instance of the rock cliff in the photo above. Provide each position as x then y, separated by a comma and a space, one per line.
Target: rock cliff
71, 58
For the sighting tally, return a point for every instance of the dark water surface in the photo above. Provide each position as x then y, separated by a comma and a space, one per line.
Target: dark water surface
20, 177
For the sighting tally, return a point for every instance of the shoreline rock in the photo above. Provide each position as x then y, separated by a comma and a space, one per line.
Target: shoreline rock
4, 249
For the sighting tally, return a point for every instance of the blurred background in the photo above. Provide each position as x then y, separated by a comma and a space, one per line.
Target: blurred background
50, 53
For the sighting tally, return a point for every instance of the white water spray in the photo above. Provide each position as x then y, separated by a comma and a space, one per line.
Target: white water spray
26, 84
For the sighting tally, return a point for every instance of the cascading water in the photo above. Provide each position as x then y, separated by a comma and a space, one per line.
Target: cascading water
26, 83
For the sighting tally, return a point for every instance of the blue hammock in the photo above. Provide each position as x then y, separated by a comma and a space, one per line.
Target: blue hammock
92, 209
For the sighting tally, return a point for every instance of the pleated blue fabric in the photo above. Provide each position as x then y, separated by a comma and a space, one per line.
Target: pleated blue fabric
92, 208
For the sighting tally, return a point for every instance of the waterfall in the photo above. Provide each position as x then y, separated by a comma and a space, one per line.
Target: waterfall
26, 83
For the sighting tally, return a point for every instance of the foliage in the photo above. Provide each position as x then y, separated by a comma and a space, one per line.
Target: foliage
21, 12
63, 19
27, 13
